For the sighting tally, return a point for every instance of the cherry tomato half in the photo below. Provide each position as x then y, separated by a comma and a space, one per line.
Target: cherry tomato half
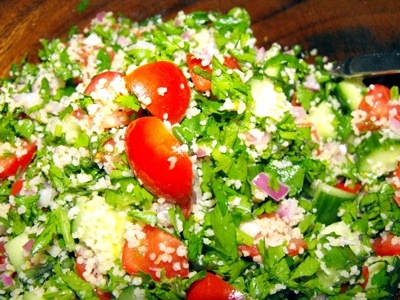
376, 105
386, 246
163, 88
201, 83
354, 189
213, 287
158, 251
158, 160
106, 76
11, 164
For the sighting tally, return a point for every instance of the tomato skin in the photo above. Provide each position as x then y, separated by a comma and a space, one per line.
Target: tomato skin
299, 246
376, 106
146, 82
347, 188
153, 154
231, 62
17, 186
3, 254
147, 257
107, 75
212, 287
201, 84
365, 275
11, 165
384, 247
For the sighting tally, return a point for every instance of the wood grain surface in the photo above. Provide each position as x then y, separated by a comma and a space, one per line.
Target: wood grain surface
336, 28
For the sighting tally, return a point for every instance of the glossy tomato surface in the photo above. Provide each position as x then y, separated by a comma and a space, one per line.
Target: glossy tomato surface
107, 77
11, 165
386, 246
158, 251
163, 88
201, 83
158, 160
212, 287
376, 106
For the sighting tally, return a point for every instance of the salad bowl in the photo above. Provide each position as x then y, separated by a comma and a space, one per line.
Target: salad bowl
337, 29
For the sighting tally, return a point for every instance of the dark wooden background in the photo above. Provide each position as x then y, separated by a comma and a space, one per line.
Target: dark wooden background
336, 28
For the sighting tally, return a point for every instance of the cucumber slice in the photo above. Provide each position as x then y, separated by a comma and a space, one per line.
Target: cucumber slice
71, 129
15, 251
351, 91
324, 119
273, 71
387, 267
355, 240
327, 200
377, 155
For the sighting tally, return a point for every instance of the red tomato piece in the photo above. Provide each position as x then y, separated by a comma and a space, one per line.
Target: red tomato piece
376, 105
102, 295
231, 62
296, 246
158, 251
163, 88
107, 76
365, 275
12, 164
3, 254
201, 84
354, 189
213, 287
17, 186
386, 246
157, 159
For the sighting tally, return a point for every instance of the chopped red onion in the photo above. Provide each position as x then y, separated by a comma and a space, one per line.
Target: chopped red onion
256, 137
299, 113
311, 83
262, 182
201, 152
287, 209
100, 16
6, 279
394, 123
260, 54
290, 52
28, 245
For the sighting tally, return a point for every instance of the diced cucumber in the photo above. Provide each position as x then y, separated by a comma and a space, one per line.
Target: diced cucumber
71, 129
387, 267
15, 251
351, 92
32, 296
336, 264
99, 225
377, 155
327, 200
353, 238
273, 71
324, 120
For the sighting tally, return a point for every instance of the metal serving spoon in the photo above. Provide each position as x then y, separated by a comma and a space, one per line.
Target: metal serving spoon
374, 64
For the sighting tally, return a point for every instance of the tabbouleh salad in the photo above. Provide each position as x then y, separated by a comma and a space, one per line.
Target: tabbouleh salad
176, 159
